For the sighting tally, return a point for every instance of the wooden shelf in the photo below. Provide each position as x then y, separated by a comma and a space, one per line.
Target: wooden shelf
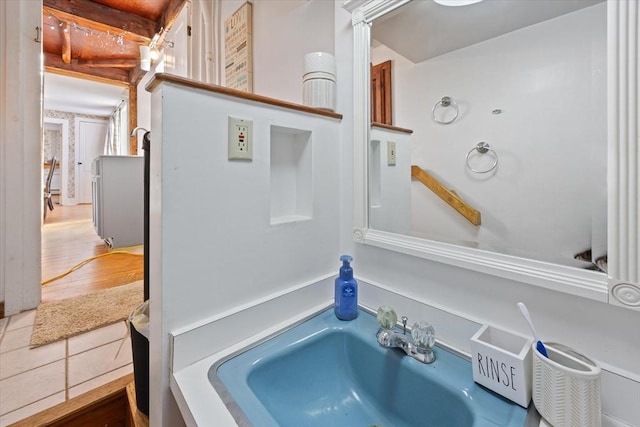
391, 127
182, 81
449, 196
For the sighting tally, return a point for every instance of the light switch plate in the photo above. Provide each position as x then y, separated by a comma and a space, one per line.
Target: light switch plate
240, 139
391, 153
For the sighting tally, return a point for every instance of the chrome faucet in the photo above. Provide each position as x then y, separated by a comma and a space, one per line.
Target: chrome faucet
422, 333
134, 132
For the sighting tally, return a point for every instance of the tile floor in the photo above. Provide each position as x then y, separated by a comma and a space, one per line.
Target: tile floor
34, 379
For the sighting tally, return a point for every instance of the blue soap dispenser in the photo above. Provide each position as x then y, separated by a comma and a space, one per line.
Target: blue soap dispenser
346, 292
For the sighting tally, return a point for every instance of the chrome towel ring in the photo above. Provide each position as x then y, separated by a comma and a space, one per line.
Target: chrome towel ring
445, 102
482, 148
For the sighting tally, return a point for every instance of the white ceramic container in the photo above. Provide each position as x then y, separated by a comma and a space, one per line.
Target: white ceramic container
319, 81
501, 362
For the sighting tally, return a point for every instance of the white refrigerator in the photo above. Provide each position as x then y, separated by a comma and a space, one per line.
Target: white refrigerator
118, 199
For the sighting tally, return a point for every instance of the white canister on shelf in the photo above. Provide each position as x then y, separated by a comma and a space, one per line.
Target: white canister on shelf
319, 81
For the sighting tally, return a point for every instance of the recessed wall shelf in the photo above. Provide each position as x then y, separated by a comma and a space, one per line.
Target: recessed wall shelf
291, 171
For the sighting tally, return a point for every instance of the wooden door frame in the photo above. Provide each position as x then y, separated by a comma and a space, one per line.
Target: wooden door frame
381, 106
21, 164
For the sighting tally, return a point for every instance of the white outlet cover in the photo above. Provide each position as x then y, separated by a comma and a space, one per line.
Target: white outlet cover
240, 139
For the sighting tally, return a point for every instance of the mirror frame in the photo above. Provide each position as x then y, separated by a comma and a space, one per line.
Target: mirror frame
622, 173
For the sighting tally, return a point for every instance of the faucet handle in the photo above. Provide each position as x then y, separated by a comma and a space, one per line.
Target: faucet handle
386, 317
424, 336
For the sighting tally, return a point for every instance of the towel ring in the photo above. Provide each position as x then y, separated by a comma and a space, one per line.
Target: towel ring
445, 102
482, 148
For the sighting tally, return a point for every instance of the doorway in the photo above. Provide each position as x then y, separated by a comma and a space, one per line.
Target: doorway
83, 109
90, 140
381, 105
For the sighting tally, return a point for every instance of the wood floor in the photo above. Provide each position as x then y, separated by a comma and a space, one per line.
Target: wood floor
68, 238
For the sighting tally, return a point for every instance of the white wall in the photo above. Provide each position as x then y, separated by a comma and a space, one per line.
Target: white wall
210, 261
245, 256
389, 185
549, 80
144, 109
174, 58
212, 243
21, 155
283, 32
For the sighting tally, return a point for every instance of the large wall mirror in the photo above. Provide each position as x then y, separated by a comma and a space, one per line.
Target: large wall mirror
523, 115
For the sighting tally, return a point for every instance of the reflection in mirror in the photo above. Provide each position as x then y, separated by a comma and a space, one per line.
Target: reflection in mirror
528, 79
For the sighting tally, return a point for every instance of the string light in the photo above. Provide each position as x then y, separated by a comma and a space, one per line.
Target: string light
117, 38
154, 52
145, 58
147, 53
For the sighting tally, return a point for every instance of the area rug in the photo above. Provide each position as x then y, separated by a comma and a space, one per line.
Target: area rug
58, 320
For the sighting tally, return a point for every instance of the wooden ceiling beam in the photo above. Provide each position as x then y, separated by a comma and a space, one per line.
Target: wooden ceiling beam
97, 17
136, 75
108, 63
54, 64
133, 119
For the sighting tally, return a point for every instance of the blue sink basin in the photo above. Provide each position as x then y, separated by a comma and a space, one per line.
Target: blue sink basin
325, 372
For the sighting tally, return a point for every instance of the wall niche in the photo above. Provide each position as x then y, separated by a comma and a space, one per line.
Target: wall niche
291, 175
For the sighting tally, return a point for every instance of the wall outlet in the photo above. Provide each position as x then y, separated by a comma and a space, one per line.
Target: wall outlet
240, 139
391, 153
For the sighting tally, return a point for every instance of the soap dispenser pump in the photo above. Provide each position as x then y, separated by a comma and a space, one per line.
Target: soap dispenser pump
346, 292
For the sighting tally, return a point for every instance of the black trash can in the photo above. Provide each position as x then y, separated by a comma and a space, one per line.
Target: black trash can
139, 325
139, 318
